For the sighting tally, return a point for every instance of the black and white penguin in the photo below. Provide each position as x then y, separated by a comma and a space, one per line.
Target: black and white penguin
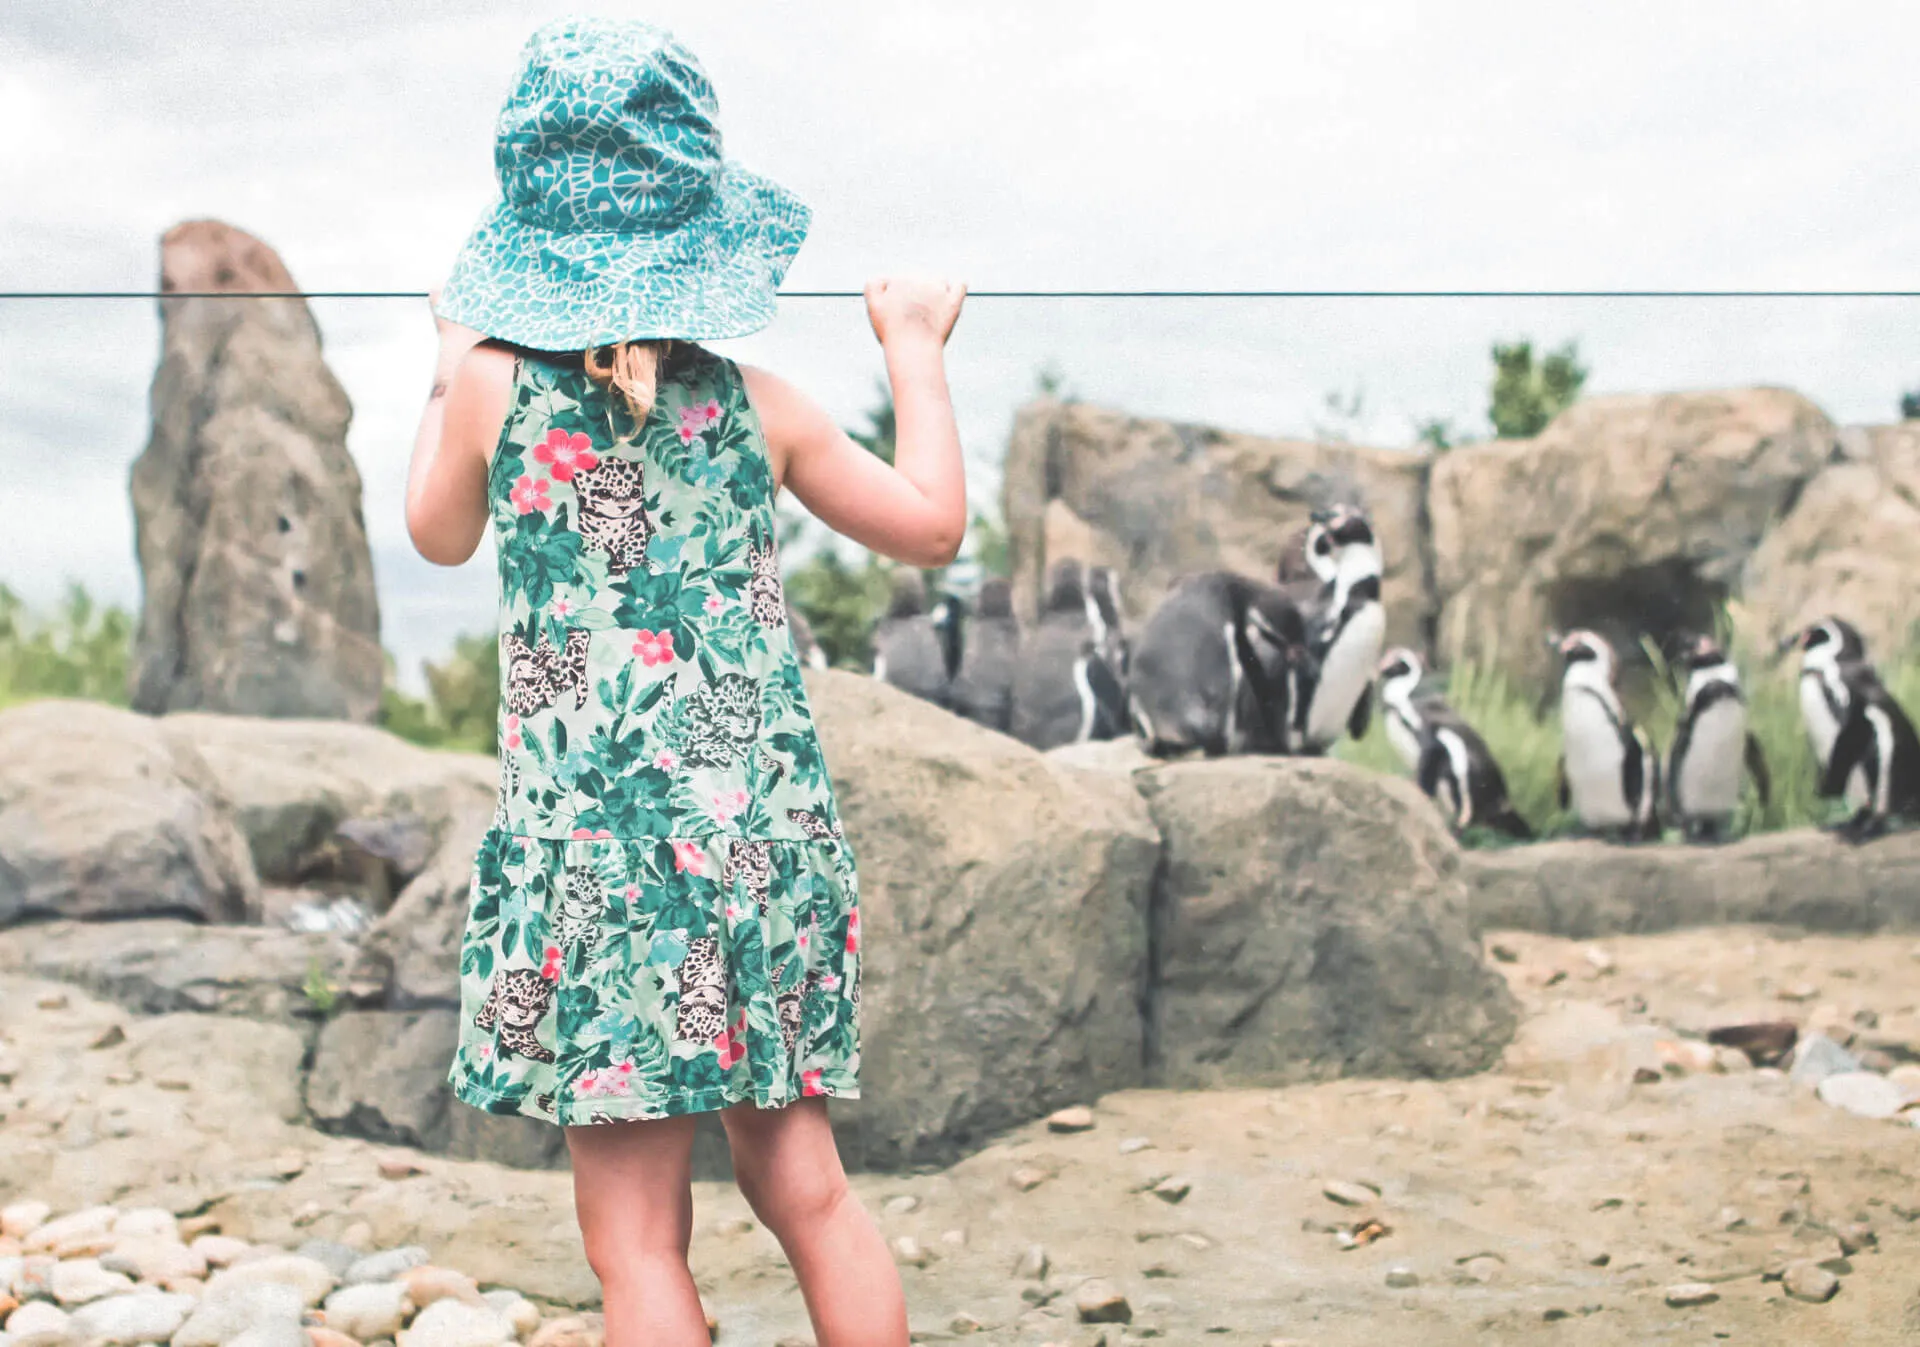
1105, 617
1064, 689
1218, 668
1347, 626
1447, 757
1826, 648
982, 688
909, 651
1608, 771
1874, 758
1712, 751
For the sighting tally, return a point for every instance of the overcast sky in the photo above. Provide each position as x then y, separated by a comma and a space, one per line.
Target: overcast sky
1043, 143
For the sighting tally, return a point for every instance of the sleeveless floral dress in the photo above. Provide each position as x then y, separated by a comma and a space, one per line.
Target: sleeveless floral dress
663, 917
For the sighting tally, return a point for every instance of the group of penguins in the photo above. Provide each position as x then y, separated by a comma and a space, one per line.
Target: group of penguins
1225, 664
1863, 742
1228, 664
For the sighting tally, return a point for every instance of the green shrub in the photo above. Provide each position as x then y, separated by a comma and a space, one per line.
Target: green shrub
80, 650
462, 707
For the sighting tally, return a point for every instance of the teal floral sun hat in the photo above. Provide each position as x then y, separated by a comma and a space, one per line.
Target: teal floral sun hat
619, 217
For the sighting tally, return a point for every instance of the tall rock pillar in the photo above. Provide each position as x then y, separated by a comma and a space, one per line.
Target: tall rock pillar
258, 581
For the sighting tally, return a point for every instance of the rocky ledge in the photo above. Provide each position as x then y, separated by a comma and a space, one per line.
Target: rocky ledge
1047, 928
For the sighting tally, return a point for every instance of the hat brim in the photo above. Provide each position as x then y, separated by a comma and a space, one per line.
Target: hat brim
714, 275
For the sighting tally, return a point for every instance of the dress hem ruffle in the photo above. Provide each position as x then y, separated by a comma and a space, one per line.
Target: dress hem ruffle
612, 1108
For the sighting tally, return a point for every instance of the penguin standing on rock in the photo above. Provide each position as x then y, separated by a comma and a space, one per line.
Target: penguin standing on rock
1451, 762
1874, 760
1064, 689
982, 688
909, 650
1608, 771
1347, 627
1712, 749
1219, 668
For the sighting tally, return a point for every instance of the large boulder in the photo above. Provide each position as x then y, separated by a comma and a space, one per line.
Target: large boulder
1849, 547
101, 815
294, 782
413, 951
1157, 500
1632, 515
1003, 903
1805, 879
1311, 922
259, 593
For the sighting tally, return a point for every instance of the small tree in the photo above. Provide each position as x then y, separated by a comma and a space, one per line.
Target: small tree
1526, 396
1910, 405
1436, 432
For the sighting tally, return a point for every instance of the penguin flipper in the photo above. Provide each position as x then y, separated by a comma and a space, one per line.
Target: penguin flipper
1510, 822
1757, 769
1433, 759
1561, 790
1111, 713
1851, 747
1362, 714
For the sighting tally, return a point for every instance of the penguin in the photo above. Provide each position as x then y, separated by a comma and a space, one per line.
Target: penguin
1448, 758
1608, 771
1218, 668
1346, 629
1064, 689
982, 687
1826, 647
1104, 617
1874, 758
1712, 748
949, 618
805, 646
909, 651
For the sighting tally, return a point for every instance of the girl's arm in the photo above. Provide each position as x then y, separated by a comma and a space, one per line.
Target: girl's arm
447, 479
916, 510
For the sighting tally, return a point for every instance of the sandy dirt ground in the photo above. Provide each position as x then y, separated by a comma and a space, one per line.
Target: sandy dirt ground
1558, 1200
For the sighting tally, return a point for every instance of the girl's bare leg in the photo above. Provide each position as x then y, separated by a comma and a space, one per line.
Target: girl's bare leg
789, 1171
630, 1190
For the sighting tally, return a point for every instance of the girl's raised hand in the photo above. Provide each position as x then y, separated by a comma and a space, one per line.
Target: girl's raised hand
907, 307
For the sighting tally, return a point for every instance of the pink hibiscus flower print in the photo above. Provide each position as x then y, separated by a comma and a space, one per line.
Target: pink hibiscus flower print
830, 982
565, 608
631, 893
653, 647
513, 732
804, 940
550, 963
484, 1052
810, 1083
729, 805
608, 1080
566, 454
853, 931
530, 494
666, 760
731, 1043
714, 603
689, 859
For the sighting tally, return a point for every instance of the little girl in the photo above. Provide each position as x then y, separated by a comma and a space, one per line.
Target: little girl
664, 916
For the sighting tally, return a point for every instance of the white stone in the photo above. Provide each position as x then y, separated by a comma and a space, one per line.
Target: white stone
1907, 1077
89, 1223
40, 1324
310, 1276
369, 1310
1863, 1093
1816, 1057
124, 1321
221, 1317
153, 1259
455, 1323
146, 1222
17, 1219
276, 1334
387, 1264
522, 1313
75, 1281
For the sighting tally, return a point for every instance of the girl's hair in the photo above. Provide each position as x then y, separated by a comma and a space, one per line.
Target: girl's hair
631, 369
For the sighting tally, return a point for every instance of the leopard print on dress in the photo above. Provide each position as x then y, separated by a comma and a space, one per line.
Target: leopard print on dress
583, 899
764, 598
723, 721
702, 1013
750, 864
517, 1002
613, 512
814, 826
509, 787
537, 675
792, 1009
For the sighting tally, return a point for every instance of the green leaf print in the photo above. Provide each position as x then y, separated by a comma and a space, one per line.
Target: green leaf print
668, 948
